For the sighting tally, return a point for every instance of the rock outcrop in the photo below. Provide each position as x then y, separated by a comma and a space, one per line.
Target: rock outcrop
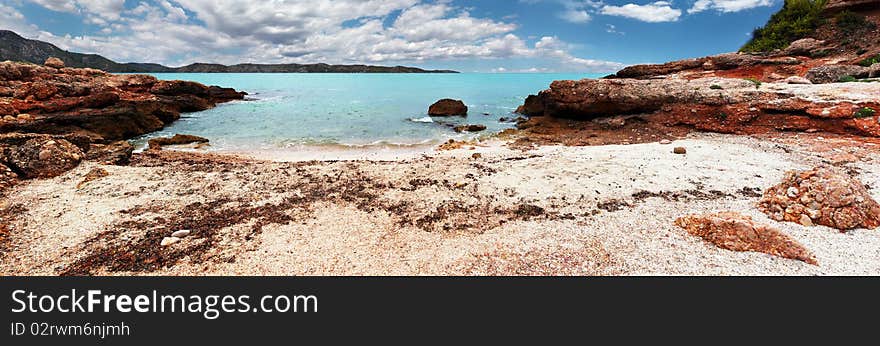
52, 117
736, 232
44, 158
716, 104
822, 196
448, 107
470, 128
177, 139
103, 106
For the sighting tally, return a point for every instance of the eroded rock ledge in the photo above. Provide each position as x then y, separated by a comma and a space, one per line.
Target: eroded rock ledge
53, 117
102, 106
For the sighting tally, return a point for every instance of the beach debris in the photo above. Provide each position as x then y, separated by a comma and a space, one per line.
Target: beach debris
469, 128
477, 156
167, 241
45, 157
679, 150
665, 142
177, 139
95, 174
448, 107
821, 196
181, 233
736, 232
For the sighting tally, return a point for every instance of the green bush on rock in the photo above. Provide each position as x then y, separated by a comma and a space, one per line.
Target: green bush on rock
796, 20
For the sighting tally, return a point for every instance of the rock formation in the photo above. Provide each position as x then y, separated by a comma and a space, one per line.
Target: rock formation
469, 128
178, 139
732, 231
103, 106
448, 107
716, 104
822, 196
52, 117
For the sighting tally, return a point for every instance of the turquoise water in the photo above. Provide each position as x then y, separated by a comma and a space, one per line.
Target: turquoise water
356, 110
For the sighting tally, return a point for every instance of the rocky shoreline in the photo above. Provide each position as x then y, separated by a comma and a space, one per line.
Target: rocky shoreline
53, 117
735, 164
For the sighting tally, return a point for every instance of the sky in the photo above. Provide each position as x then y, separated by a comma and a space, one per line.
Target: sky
591, 36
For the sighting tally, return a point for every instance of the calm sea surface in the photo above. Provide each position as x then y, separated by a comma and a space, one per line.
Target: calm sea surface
293, 111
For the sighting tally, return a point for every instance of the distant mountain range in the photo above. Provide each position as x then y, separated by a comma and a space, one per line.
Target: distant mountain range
16, 48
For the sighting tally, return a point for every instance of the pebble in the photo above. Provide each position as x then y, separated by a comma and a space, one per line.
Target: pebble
680, 150
665, 141
181, 233
169, 241
806, 221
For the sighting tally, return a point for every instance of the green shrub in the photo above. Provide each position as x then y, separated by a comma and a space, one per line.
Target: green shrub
715, 87
870, 61
722, 116
755, 81
847, 79
850, 23
796, 20
820, 53
864, 113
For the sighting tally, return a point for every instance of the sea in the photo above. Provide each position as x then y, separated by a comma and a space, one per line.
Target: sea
299, 112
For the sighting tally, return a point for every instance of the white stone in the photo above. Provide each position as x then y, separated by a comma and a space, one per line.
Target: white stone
169, 241
181, 233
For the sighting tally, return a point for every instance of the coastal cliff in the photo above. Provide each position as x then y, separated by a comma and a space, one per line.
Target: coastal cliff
828, 83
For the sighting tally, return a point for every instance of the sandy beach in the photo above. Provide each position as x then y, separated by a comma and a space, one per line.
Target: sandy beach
551, 210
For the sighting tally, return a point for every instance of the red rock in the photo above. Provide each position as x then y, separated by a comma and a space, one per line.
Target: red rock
724, 105
179, 87
105, 106
177, 139
470, 128
823, 196
8, 178
45, 157
447, 107
736, 232
116, 153
54, 63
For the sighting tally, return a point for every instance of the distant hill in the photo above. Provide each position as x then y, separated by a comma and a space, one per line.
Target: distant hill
16, 48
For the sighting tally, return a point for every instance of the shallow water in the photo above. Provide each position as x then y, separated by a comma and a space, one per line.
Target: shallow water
296, 111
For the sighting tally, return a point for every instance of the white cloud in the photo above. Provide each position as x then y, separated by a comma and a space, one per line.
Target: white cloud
656, 12
575, 16
728, 5
96, 11
179, 32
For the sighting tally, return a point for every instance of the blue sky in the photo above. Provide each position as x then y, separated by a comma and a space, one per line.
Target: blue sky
466, 35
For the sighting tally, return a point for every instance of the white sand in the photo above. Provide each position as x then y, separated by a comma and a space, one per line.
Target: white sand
333, 236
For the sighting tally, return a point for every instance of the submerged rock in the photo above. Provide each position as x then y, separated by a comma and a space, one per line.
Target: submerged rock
470, 128
178, 139
736, 232
822, 196
448, 107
